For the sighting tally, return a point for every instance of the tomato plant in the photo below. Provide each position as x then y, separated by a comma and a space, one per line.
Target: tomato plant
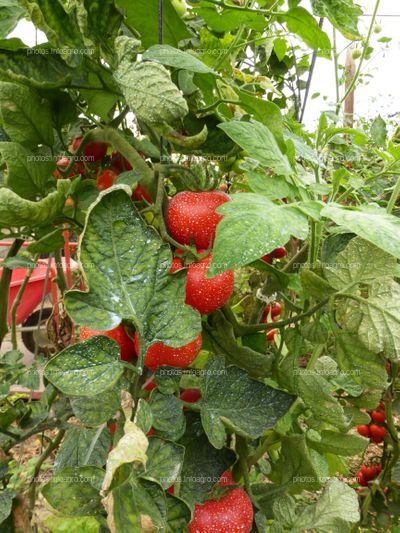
220, 288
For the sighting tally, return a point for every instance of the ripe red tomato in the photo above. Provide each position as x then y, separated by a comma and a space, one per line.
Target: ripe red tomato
77, 168
105, 179
191, 217
190, 395
377, 433
361, 479
150, 386
271, 334
267, 258
112, 428
119, 334
378, 416
119, 163
93, 151
226, 479
279, 253
176, 265
275, 310
207, 295
159, 354
232, 513
140, 194
363, 430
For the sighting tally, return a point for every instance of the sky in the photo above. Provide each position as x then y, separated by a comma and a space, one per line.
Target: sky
380, 94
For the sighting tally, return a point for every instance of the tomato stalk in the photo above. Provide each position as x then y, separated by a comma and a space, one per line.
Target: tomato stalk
394, 196
5, 288
15, 305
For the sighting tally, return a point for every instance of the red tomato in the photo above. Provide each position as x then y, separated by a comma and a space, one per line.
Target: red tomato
106, 179
150, 386
190, 395
267, 258
207, 295
279, 253
112, 427
176, 265
78, 168
378, 416
140, 194
377, 469
191, 217
119, 163
232, 513
93, 151
159, 354
363, 430
119, 334
377, 433
226, 479
361, 480
275, 310
271, 334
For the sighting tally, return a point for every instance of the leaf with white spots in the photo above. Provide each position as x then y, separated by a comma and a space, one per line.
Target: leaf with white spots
253, 226
126, 268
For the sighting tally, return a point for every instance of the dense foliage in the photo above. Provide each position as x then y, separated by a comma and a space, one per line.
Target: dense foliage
237, 302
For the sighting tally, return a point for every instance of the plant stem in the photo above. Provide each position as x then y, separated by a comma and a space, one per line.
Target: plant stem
247, 329
15, 305
394, 196
47, 452
5, 287
363, 56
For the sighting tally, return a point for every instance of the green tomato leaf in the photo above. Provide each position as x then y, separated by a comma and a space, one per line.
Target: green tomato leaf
6, 501
260, 143
343, 15
164, 462
263, 111
96, 410
299, 21
83, 447
35, 68
150, 92
137, 505
74, 491
178, 514
142, 15
376, 319
338, 443
359, 262
86, 368
172, 57
298, 466
10, 13
144, 416
361, 364
26, 116
26, 175
371, 223
168, 418
316, 393
252, 227
203, 464
18, 212
126, 267
379, 131
229, 20
334, 512
53, 19
273, 187
260, 407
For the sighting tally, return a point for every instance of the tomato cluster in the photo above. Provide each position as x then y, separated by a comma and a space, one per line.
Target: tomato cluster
368, 473
278, 253
95, 152
272, 311
375, 430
